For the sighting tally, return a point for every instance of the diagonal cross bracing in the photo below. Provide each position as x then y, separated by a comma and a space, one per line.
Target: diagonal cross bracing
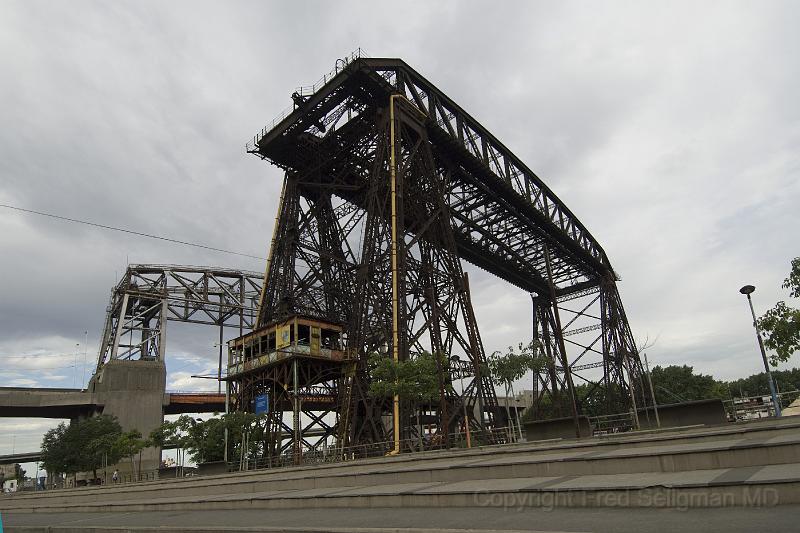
517, 203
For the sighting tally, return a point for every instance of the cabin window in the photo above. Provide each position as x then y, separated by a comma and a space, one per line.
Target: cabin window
235, 356
330, 339
303, 334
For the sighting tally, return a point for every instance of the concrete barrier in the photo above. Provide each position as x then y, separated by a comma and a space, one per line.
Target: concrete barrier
556, 428
706, 412
212, 468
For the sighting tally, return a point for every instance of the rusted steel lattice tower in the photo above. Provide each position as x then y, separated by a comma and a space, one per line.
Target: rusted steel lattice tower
388, 186
148, 296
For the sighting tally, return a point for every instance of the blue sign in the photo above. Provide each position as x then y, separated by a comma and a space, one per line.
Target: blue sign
262, 404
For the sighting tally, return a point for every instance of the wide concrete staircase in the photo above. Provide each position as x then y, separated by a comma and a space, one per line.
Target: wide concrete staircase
756, 463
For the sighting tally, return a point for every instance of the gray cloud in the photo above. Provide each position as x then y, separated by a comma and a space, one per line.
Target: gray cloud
671, 131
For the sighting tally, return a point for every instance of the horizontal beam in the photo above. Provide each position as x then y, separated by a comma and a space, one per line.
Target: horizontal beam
534, 213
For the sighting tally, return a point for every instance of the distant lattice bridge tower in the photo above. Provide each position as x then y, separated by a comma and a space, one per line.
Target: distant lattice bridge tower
388, 186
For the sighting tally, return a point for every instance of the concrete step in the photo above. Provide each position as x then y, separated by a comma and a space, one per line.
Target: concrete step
743, 519
675, 457
262, 529
755, 486
686, 450
661, 455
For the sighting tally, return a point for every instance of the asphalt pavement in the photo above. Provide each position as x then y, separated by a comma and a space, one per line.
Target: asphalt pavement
777, 519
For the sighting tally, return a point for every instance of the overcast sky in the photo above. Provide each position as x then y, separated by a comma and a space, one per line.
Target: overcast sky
672, 130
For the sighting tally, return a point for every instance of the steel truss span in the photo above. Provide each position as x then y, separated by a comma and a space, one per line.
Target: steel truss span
148, 296
388, 186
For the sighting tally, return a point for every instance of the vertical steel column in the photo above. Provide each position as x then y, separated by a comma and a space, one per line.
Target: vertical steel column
535, 342
269, 257
120, 325
475, 344
162, 330
219, 370
439, 354
295, 413
561, 347
395, 273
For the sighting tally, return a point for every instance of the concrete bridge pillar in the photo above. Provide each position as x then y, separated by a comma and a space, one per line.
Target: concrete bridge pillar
134, 392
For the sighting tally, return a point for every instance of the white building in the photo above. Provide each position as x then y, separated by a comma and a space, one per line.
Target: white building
10, 485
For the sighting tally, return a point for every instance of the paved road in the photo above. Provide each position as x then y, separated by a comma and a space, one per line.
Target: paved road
723, 520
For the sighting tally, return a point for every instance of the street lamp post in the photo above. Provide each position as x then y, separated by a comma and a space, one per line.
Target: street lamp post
227, 403
220, 344
747, 290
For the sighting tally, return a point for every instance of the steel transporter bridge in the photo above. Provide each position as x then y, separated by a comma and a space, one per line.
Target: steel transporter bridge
389, 185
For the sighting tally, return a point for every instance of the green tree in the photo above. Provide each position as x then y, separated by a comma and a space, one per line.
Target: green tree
81, 446
204, 440
781, 324
415, 381
675, 384
174, 434
58, 456
247, 436
130, 444
19, 473
95, 438
164, 436
512, 366
208, 440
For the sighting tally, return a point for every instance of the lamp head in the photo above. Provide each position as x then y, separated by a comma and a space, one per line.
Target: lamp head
747, 289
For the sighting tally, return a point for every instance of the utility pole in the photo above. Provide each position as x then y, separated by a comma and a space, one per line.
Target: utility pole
652, 392
219, 368
85, 352
75, 366
227, 410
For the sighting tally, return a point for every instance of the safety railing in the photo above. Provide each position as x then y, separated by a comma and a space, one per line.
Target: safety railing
755, 407
327, 455
306, 90
335, 454
148, 475
104, 478
614, 423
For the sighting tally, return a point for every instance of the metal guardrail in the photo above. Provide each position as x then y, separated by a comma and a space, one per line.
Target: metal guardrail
608, 424
107, 478
333, 454
149, 475
497, 436
306, 90
755, 407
